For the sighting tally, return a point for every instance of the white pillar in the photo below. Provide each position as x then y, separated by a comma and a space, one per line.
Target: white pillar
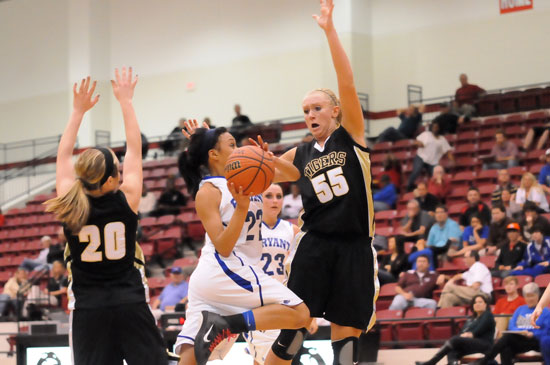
89, 54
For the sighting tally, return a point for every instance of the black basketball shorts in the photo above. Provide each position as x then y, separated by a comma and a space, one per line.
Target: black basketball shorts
337, 278
109, 335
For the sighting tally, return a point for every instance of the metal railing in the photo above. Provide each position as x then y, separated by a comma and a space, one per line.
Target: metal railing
414, 93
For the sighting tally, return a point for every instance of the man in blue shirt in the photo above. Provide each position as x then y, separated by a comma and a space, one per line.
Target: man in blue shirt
411, 119
174, 293
443, 233
524, 337
385, 198
544, 175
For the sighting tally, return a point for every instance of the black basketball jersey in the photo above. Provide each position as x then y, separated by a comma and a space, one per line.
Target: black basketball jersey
101, 257
336, 186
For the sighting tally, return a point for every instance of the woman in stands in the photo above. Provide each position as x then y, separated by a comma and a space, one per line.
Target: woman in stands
277, 241
476, 336
530, 190
227, 294
110, 318
334, 269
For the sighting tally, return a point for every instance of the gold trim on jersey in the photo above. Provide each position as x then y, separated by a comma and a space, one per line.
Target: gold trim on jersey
364, 161
288, 263
139, 255
372, 320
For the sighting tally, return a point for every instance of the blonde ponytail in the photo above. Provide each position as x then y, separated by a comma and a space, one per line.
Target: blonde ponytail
72, 208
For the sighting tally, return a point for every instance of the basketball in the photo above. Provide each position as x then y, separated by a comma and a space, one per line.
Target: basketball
250, 167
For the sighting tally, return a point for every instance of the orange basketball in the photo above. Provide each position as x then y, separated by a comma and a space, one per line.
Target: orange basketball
250, 167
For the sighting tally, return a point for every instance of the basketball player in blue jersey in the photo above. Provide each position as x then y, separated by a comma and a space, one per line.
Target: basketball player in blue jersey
110, 318
277, 241
228, 293
334, 269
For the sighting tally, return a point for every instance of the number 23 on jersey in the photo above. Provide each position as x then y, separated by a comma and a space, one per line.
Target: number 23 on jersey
330, 184
114, 235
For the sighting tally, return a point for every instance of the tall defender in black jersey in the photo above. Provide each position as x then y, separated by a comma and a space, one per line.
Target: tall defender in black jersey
334, 269
110, 318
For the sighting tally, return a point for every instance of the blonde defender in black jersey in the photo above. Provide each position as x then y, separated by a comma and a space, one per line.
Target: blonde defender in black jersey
334, 269
110, 318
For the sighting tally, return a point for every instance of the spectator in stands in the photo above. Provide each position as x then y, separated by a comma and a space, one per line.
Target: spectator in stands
392, 168
392, 264
448, 119
439, 185
174, 293
56, 287
292, 203
147, 203
386, 196
427, 201
414, 226
536, 258
171, 200
477, 279
544, 175
57, 250
525, 337
497, 230
175, 140
307, 138
411, 119
511, 253
504, 153
239, 124
474, 238
443, 233
532, 219
475, 205
503, 182
208, 122
415, 287
475, 336
529, 190
536, 132
11, 289
240, 120
431, 147
41, 261
508, 201
509, 303
466, 95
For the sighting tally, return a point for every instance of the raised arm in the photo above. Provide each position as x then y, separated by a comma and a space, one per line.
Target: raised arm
352, 113
123, 88
82, 102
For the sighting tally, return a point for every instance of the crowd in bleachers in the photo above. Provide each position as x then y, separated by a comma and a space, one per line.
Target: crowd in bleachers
473, 223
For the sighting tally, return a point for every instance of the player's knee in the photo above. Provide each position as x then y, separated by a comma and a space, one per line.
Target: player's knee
288, 343
302, 316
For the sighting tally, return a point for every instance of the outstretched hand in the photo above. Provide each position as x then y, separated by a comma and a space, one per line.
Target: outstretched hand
325, 19
82, 97
191, 125
124, 84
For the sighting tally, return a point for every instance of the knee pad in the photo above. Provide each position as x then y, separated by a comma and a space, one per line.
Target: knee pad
289, 343
346, 351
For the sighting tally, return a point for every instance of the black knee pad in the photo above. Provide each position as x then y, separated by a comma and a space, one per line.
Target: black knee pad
289, 343
346, 351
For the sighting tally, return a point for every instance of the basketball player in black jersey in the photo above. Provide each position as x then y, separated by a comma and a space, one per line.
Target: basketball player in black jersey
334, 269
110, 318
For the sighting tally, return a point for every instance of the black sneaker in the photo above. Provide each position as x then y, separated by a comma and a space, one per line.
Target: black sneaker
214, 329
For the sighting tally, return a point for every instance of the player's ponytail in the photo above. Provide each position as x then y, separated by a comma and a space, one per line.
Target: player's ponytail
193, 162
93, 168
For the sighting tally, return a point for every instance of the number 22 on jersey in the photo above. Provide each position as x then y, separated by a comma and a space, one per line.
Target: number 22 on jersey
114, 235
330, 184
